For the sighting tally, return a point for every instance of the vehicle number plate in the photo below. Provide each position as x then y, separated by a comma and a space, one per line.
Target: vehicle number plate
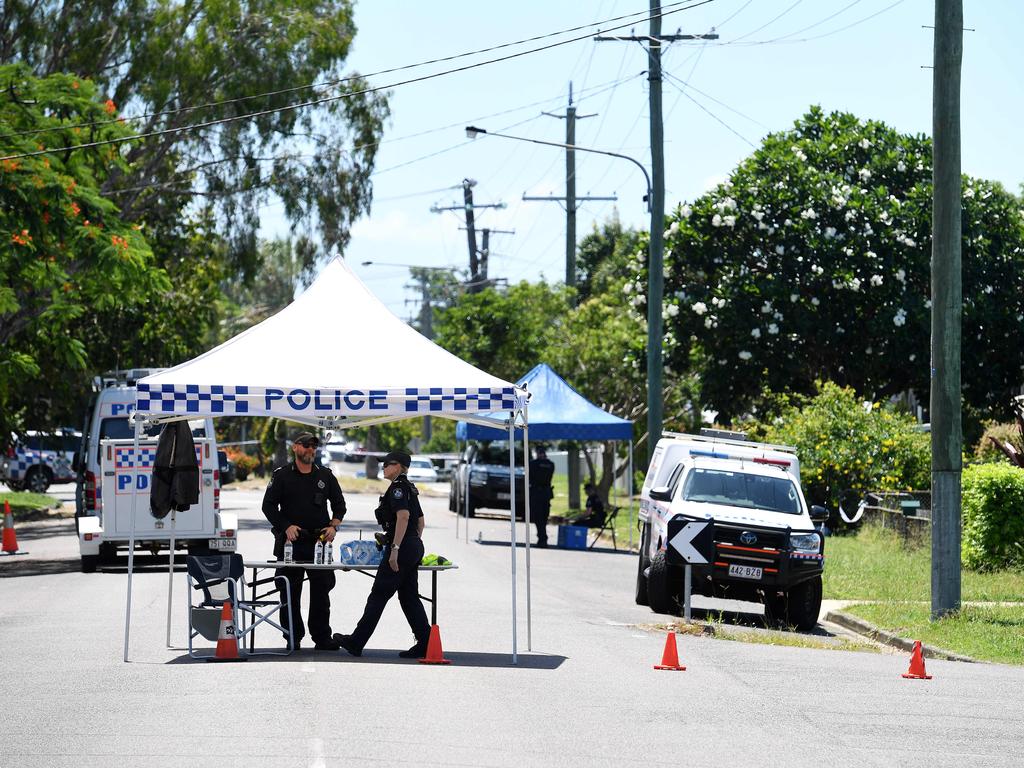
229, 544
504, 496
745, 571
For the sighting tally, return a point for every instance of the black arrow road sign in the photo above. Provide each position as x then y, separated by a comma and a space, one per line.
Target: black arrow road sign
691, 541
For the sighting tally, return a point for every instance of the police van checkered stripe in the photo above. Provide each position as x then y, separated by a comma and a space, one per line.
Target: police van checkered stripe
236, 400
123, 458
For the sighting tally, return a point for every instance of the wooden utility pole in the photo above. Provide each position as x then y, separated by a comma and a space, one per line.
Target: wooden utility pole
947, 301
655, 271
476, 281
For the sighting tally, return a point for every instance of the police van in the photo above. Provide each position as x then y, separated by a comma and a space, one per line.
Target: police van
767, 547
36, 460
108, 469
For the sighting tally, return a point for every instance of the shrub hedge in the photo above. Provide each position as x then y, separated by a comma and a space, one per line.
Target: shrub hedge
993, 517
844, 446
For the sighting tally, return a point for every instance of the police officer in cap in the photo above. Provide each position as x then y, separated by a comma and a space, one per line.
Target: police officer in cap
296, 506
401, 517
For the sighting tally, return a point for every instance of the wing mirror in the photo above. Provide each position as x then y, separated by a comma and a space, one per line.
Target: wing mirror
661, 493
819, 514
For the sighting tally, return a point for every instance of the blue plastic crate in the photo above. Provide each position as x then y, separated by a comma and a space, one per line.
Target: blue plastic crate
572, 536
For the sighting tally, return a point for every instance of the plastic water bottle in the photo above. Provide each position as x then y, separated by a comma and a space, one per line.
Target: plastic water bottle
318, 553
288, 551
329, 553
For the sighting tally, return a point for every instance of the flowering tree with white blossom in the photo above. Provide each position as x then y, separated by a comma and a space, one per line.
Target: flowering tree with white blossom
812, 262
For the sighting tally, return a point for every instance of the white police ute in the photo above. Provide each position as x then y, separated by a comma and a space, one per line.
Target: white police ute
767, 546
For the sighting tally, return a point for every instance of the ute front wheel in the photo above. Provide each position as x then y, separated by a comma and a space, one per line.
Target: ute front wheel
804, 604
660, 594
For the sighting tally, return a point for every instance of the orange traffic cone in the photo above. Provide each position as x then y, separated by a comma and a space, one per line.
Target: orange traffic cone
227, 641
10, 546
916, 671
434, 653
670, 658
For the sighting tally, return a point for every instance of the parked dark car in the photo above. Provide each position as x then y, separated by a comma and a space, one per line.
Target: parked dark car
487, 468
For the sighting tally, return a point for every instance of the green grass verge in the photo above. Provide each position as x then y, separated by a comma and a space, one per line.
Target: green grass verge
983, 632
28, 504
873, 565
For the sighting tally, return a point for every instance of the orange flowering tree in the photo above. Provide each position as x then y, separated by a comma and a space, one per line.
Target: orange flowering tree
65, 252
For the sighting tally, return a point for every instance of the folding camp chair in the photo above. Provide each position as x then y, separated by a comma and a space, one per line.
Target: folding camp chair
220, 578
609, 525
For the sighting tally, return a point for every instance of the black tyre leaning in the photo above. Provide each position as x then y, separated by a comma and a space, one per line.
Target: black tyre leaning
89, 563
659, 591
804, 604
641, 580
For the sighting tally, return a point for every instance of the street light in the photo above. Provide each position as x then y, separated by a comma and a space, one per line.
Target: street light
473, 131
655, 285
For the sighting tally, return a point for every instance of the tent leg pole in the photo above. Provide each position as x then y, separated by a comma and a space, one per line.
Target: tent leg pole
136, 461
465, 498
526, 526
458, 508
629, 490
512, 518
170, 577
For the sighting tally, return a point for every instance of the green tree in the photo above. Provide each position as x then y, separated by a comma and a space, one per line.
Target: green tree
66, 252
845, 445
812, 262
165, 60
505, 333
602, 257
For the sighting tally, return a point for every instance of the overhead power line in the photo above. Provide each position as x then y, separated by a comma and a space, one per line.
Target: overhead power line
692, 4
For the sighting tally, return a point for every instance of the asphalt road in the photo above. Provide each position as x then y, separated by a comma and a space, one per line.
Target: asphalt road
586, 694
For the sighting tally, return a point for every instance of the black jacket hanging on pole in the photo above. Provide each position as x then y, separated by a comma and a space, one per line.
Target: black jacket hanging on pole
175, 471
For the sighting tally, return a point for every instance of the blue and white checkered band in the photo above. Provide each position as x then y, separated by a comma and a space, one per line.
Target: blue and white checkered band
124, 459
258, 401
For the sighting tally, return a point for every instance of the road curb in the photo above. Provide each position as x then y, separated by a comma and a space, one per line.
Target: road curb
861, 627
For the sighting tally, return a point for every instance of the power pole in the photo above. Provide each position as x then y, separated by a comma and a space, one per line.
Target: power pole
469, 207
947, 302
571, 204
656, 276
485, 252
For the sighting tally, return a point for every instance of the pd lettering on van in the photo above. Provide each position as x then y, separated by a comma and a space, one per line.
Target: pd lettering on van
117, 408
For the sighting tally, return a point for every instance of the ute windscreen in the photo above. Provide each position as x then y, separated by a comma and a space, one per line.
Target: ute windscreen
738, 489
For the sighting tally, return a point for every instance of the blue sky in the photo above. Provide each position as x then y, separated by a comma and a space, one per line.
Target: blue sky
774, 58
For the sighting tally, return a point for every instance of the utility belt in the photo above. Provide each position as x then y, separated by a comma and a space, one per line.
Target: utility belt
386, 538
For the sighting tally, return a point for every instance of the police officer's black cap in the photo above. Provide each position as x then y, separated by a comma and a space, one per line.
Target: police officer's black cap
307, 437
397, 457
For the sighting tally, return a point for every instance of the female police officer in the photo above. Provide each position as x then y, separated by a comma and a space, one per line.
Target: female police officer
401, 517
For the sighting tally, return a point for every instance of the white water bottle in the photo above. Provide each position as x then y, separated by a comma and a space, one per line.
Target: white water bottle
288, 551
329, 553
318, 553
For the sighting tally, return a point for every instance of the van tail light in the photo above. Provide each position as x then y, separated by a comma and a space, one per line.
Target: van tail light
90, 490
216, 489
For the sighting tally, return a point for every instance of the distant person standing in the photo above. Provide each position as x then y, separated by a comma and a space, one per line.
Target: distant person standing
400, 515
296, 506
542, 469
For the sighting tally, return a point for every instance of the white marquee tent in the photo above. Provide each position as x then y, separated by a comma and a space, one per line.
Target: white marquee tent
371, 368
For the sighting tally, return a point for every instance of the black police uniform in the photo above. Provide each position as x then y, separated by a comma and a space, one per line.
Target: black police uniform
401, 494
541, 472
297, 498
595, 508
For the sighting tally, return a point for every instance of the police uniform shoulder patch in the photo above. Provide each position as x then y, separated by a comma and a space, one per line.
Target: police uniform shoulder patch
397, 493
320, 484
